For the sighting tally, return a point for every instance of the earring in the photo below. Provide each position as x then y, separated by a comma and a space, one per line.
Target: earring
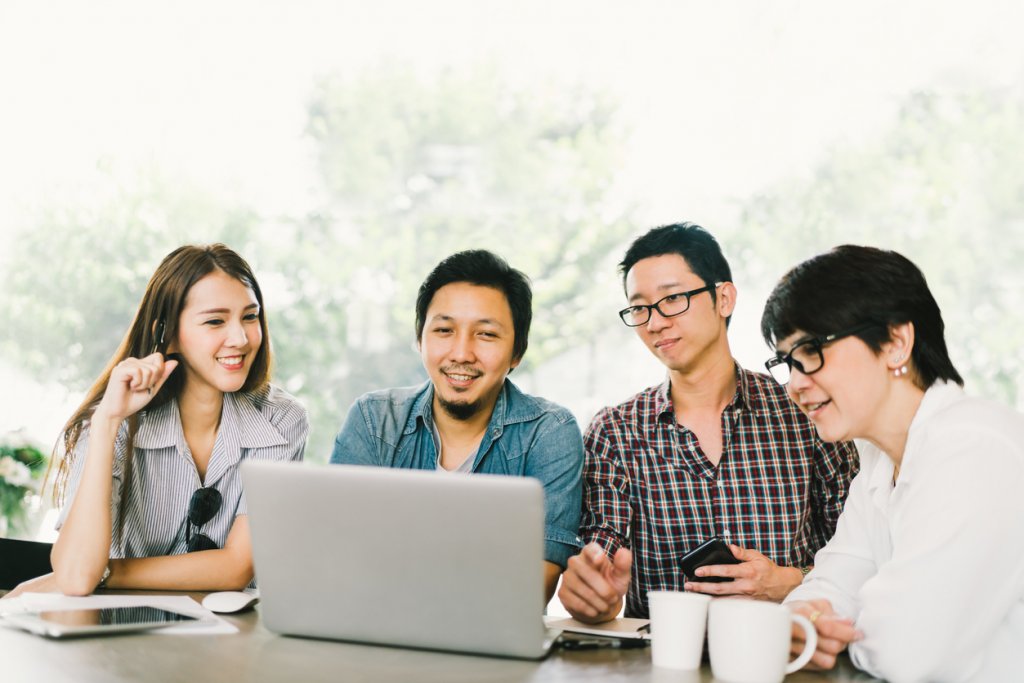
900, 371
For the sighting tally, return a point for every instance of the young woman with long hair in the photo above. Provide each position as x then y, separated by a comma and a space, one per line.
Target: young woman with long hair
148, 466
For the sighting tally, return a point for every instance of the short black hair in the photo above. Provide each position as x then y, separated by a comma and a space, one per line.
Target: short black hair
851, 286
696, 245
486, 269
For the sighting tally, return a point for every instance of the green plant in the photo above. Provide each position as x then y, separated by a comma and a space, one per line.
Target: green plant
22, 467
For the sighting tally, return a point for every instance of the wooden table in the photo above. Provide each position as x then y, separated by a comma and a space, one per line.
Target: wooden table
256, 654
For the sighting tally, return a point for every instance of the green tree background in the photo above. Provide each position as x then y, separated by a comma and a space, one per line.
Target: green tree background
942, 186
413, 169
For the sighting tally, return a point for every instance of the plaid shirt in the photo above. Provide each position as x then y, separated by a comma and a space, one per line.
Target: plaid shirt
647, 485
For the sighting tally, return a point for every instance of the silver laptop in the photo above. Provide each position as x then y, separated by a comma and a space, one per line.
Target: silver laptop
400, 557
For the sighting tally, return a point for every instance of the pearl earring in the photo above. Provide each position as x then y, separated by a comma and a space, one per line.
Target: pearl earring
900, 371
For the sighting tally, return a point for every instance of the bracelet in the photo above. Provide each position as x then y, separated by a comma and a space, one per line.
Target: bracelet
103, 579
804, 571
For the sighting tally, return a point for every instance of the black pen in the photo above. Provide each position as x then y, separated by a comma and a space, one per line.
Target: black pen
601, 643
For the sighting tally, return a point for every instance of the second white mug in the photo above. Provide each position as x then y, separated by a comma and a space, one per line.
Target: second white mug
748, 640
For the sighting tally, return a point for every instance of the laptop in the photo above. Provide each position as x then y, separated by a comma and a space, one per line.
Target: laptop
400, 557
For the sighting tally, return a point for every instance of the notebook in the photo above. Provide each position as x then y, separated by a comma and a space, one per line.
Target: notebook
400, 557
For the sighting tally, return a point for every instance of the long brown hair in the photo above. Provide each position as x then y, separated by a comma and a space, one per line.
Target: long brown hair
154, 327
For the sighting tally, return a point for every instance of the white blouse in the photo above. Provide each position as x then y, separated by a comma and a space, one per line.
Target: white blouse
932, 569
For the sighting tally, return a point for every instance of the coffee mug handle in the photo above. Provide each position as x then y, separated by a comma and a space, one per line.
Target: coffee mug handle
810, 643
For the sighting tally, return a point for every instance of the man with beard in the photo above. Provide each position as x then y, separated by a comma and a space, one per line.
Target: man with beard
473, 316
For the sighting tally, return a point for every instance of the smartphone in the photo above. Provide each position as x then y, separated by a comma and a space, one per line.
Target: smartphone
92, 622
711, 551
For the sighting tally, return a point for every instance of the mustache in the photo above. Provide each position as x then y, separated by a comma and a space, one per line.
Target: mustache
461, 370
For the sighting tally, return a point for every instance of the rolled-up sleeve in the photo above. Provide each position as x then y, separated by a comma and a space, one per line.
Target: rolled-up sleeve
606, 511
835, 466
80, 455
556, 459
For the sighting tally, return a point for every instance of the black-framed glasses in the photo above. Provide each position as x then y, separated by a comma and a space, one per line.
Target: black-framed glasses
668, 306
807, 356
202, 507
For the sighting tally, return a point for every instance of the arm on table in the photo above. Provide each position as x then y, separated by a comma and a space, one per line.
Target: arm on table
82, 551
228, 568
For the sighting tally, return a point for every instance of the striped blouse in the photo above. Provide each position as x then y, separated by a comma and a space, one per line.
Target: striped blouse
268, 426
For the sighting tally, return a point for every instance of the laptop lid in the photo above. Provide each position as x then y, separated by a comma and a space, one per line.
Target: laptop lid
399, 557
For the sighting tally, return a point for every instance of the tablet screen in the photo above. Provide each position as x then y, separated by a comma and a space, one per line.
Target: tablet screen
65, 623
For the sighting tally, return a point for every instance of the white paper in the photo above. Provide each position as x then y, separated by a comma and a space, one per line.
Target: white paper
213, 625
622, 627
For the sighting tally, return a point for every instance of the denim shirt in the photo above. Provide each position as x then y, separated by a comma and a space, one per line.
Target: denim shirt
527, 436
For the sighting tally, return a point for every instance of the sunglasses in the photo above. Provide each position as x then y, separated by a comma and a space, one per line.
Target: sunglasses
202, 507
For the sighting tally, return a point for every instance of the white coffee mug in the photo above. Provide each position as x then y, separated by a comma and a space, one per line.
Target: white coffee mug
749, 640
678, 621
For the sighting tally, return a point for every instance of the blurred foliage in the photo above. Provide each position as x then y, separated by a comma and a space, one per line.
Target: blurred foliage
942, 186
22, 466
413, 170
75, 277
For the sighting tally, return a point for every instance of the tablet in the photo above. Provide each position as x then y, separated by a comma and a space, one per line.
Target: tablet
91, 622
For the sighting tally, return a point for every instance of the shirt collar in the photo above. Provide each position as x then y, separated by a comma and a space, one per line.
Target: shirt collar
243, 410
748, 394
938, 397
161, 427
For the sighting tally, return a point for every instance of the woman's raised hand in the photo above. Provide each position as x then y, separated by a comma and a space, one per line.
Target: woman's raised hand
133, 384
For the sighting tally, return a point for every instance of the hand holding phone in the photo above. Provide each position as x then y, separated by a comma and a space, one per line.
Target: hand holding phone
711, 551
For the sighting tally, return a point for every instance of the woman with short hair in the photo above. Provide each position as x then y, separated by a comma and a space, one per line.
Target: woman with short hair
924, 578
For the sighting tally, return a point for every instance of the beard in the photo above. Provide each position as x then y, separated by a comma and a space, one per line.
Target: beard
459, 410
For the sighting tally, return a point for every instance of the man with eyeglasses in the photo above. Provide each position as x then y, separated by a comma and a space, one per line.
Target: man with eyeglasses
714, 451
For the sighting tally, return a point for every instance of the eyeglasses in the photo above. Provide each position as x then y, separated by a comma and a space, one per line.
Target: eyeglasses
669, 306
202, 507
807, 356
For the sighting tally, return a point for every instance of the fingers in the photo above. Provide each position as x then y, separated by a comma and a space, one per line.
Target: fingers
621, 570
740, 587
587, 591
835, 633
732, 571
581, 601
168, 367
41, 584
744, 554
822, 659
838, 630
144, 374
132, 385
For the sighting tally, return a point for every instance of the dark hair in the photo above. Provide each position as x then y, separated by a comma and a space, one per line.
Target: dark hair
696, 245
156, 320
483, 268
852, 286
